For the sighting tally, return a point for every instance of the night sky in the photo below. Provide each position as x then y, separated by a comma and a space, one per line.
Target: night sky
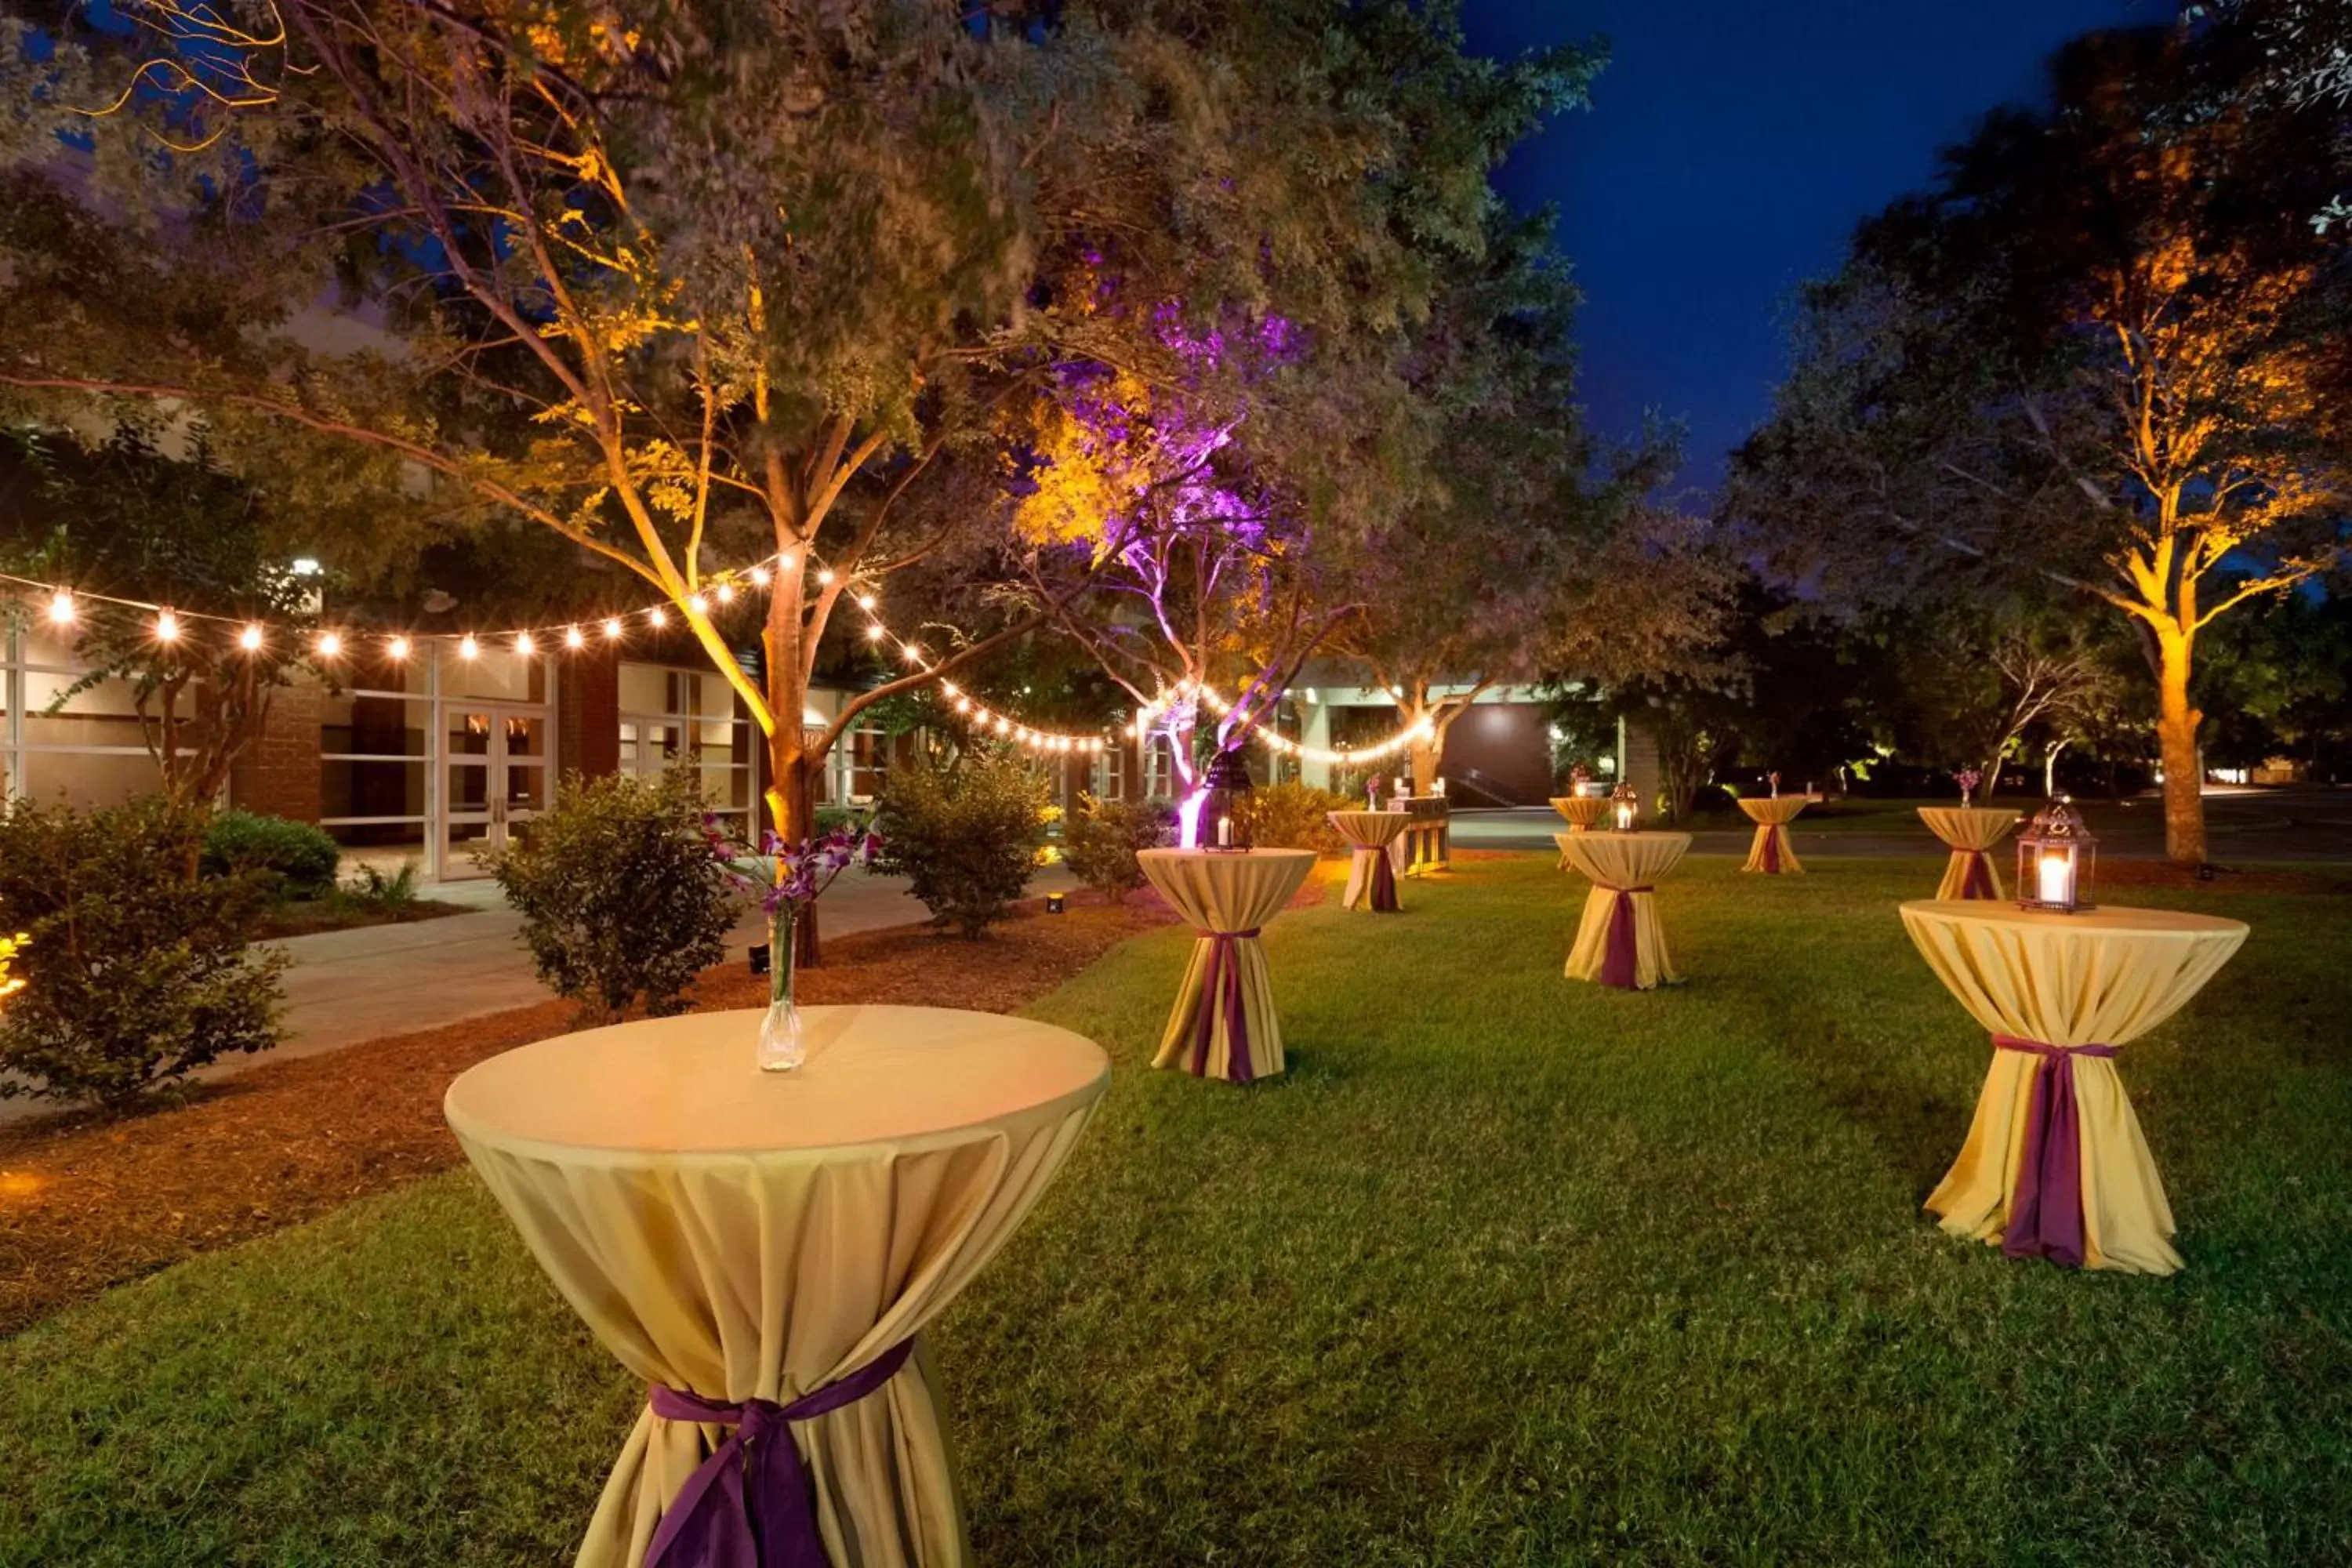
1731, 147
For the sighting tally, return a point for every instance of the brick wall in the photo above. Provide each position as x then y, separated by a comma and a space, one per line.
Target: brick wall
278, 773
588, 712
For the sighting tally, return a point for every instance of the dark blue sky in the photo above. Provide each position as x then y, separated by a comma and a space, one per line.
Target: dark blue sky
1731, 147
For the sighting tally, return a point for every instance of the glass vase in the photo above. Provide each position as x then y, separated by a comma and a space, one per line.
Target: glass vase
781, 1045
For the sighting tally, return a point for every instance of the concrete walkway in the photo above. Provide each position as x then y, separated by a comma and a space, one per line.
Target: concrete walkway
348, 987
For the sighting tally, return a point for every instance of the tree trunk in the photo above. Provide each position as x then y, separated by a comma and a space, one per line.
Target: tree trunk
792, 768
2184, 773
1424, 755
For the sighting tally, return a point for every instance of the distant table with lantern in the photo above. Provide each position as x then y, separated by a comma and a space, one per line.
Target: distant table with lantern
1581, 812
1771, 853
761, 1249
1970, 831
1223, 1024
1620, 941
2055, 1165
1371, 878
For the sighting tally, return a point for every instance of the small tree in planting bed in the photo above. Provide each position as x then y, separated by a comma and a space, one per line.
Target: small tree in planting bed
965, 835
619, 894
136, 971
1102, 840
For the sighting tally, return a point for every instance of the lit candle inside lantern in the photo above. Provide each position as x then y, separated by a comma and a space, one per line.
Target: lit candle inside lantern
1625, 816
1225, 833
2057, 873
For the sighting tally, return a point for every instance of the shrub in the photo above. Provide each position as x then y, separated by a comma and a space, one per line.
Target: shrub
619, 892
136, 971
965, 835
376, 889
1291, 816
1101, 841
290, 859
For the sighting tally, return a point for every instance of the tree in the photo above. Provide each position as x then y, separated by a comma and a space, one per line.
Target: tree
2103, 353
686, 288
122, 519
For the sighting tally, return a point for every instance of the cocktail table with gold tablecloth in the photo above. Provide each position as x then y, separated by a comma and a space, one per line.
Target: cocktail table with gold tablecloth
1581, 812
1427, 843
1223, 1024
1771, 852
1620, 941
1371, 877
2055, 1165
1970, 830
761, 1249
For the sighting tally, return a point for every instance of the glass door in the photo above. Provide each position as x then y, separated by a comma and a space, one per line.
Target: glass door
495, 767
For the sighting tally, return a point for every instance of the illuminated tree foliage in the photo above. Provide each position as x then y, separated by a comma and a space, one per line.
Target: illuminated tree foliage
690, 284
2105, 355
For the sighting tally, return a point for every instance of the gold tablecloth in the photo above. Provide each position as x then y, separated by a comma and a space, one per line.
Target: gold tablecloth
1970, 830
2101, 977
1581, 812
1367, 835
1771, 852
1616, 861
740, 1235
1225, 893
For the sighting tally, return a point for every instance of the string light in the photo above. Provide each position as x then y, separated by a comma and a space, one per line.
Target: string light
612, 630
397, 648
726, 593
61, 608
571, 637
468, 648
698, 604
760, 574
659, 616
523, 645
249, 639
865, 602
167, 626
330, 645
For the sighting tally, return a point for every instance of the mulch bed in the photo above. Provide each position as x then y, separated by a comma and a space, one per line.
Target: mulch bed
87, 1203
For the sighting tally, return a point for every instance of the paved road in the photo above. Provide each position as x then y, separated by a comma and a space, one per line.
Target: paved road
2282, 824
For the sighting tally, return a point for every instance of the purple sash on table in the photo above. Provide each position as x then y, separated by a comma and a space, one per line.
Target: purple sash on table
1384, 893
1976, 882
1771, 847
2045, 1212
1620, 963
751, 1504
1221, 991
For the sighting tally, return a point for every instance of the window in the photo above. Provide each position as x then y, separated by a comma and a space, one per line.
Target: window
670, 714
374, 753
90, 747
1107, 779
855, 767
1159, 769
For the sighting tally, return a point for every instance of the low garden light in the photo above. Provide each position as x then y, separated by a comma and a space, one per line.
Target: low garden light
1225, 811
1057, 903
2055, 858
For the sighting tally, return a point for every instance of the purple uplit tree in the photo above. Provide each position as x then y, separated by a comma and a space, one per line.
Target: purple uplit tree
1203, 571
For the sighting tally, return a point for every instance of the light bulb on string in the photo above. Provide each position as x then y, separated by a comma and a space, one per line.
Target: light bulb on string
866, 602
874, 632
726, 593
397, 648
330, 645
523, 645
659, 616
249, 639
167, 627
612, 630
825, 577
573, 638
468, 648
698, 604
61, 608
759, 576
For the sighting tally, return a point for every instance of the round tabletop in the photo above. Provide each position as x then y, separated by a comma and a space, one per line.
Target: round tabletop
1623, 859
1969, 826
1583, 810
2100, 976
1369, 829
690, 1085
1773, 810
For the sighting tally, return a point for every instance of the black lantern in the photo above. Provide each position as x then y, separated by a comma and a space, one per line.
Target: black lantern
1224, 822
2055, 856
1624, 807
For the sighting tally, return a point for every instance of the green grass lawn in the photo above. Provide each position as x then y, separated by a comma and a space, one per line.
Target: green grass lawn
1506, 1269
